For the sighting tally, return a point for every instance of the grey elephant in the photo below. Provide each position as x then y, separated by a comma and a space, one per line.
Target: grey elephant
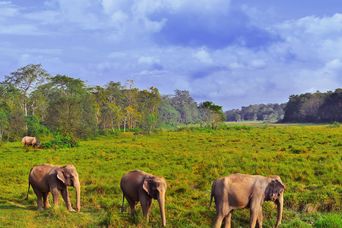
30, 141
48, 178
246, 191
138, 186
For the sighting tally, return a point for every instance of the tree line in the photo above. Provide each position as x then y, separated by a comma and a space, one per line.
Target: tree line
315, 107
33, 102
318, 107
257, 112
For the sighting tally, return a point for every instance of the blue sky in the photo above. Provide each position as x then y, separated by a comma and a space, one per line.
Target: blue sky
232, 52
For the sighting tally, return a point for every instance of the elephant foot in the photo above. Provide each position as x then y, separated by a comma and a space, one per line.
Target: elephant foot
72, 209
40, 209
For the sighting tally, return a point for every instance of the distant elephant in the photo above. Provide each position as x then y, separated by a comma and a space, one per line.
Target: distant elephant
48, 178
246, 191
140, 186
30, 141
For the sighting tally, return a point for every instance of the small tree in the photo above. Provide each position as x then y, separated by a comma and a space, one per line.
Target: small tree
211, 113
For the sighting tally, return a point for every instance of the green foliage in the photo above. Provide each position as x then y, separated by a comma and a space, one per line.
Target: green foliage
61, 141
190, 159
260, 112
335, 125
35, 127
32, 103
314, 107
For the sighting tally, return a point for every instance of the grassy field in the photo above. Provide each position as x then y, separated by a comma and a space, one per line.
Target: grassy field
308, 159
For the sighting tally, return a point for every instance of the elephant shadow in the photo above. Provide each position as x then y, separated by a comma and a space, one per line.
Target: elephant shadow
6, 204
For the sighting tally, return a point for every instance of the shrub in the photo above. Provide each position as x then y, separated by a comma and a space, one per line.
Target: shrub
334, 125
61, 141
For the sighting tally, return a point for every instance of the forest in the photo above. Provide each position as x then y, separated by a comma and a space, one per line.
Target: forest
318, 107
257, 112
315, 107
36, 103
33, 102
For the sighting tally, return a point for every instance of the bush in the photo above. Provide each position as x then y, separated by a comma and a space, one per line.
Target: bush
334, 125
35, 127
113, 132
61, 141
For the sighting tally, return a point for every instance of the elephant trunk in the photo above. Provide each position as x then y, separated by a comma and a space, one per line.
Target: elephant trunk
161, 201
280, 203
78, 195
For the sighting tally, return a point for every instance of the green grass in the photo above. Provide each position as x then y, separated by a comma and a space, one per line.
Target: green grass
308, 159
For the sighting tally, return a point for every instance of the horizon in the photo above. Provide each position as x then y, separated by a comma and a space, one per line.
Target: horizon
235, 53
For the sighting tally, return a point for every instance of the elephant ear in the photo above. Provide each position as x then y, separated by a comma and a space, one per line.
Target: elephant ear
146, 185
149, 186
60, 175
279, 187
274, 188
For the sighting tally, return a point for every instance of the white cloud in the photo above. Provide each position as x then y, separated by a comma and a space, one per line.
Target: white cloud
203, 56
7, 9
148, 60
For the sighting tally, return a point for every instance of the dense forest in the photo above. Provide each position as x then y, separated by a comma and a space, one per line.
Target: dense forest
314, 107
33, 102
260, 112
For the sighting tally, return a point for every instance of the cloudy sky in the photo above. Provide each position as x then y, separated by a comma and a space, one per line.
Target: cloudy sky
232, 52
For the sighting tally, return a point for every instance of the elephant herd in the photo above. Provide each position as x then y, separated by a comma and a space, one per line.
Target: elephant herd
231, 192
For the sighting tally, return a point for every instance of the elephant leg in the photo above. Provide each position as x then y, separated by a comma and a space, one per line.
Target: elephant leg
228, 220
146, 206
39, 200
66, 199
260, 218
55, 196
46, 200
254, 215
222, 211
131, 205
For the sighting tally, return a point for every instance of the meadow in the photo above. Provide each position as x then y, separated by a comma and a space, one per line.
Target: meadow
307, 157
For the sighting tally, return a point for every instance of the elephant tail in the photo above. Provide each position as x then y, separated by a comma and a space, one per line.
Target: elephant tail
28, 189
211, 199
211, 194
29, 184
123, 201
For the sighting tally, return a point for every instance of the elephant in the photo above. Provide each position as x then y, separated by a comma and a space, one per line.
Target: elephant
246, 191
48, 178
140, 186
30, 141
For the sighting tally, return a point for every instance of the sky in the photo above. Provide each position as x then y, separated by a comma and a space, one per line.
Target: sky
231, 52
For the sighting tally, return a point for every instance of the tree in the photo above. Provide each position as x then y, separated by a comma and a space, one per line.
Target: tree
26, 79
211, 113
71, 107
12, 117
186, 106
167, 113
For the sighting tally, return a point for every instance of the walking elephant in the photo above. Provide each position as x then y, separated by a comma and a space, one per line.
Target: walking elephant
246, 191
140, 186
48, 178
30, 141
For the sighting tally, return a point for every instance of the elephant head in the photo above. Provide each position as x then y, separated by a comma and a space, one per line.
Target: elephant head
275, 192
69, 176
155, 187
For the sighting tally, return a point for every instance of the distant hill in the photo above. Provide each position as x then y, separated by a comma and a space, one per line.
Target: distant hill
315, 107
261, 112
